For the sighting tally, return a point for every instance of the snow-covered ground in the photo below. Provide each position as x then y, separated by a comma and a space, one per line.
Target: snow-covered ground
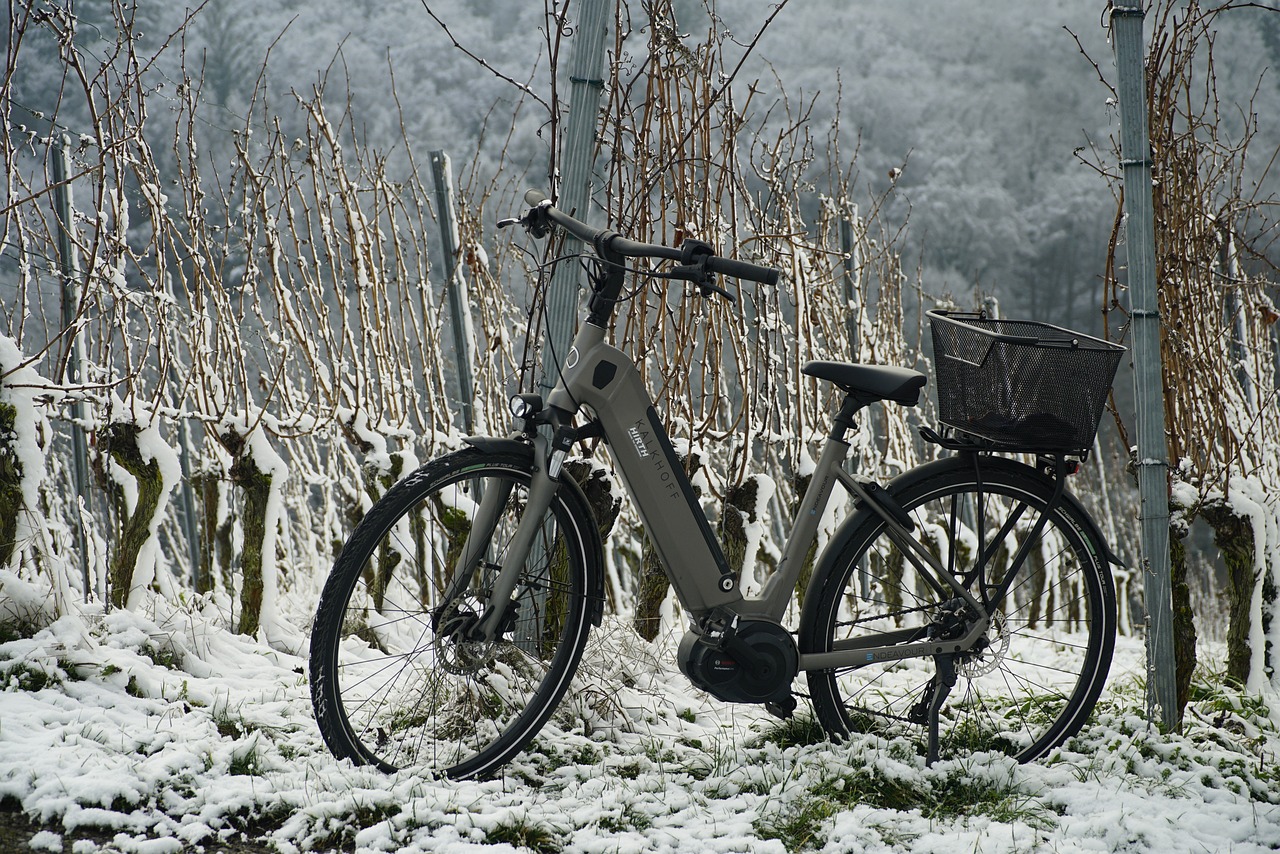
171, 731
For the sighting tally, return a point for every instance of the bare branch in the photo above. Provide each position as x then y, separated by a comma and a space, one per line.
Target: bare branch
524, 89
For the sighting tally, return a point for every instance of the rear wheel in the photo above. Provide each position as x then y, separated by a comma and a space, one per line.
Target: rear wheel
398, 679
1032, 679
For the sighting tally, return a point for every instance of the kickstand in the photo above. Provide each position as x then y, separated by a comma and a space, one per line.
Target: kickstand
943, 682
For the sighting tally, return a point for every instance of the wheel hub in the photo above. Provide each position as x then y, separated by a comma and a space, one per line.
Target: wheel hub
455, 652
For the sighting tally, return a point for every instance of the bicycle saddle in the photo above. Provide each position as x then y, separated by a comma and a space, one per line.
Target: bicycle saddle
883, 382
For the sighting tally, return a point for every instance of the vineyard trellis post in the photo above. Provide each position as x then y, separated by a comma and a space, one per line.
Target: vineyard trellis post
850, 289
455, 286
577, 155
1229, 270
1275, 353
1152, 451
190, 525
71, 364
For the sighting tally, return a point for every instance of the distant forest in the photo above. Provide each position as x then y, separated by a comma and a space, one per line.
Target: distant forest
994, 113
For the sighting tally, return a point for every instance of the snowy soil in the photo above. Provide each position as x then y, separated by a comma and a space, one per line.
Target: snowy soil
162, 731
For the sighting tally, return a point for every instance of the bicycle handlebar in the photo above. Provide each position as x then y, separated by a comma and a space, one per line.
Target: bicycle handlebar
611, 241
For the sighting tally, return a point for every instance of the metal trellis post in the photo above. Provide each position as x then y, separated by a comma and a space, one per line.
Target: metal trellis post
71, 368
455, 286
851, 295
1153, 454
1229, 269
577, 154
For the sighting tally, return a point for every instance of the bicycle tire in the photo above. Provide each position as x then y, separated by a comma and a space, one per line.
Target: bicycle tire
393, 682
1043, 662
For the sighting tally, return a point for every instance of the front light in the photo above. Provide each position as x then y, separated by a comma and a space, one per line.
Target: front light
520, 407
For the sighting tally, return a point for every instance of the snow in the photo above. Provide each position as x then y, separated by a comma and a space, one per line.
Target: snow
1249, 498
21, 385
169, 731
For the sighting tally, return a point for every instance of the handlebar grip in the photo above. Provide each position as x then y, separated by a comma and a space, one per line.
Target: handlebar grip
742, 270
541, 206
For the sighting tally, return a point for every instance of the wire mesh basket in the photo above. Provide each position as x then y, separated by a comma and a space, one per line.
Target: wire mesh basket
1020, 383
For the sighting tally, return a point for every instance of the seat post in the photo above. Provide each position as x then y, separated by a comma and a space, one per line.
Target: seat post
845, 419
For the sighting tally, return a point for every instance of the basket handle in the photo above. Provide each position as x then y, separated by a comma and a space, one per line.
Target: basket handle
1059, 338
1002, 337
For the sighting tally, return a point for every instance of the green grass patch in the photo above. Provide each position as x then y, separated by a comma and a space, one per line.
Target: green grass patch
255, 822
1227, 738
802, 828
339, 834
795, 731
627, 820
245, 764
1212, 695
960, 792
20, 625
164, 656
521, 833
231, 725
20, 676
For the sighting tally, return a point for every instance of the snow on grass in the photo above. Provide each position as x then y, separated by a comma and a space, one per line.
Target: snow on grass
167, 730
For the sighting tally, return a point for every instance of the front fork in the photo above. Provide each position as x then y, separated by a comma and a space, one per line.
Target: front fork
542, 490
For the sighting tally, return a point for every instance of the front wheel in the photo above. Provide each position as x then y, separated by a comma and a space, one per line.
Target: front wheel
398, 676
1033, 678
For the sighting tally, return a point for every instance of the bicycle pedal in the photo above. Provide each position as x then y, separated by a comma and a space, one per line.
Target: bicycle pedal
783, 708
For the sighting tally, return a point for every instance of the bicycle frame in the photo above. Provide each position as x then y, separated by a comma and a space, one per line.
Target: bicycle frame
602, 378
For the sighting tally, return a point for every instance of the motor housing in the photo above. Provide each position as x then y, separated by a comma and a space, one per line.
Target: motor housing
752, 662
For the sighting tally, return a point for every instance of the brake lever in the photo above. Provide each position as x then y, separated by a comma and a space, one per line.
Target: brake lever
709, 287
703, 280
537, 225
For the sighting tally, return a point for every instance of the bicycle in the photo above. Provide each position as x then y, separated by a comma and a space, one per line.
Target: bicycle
968, 602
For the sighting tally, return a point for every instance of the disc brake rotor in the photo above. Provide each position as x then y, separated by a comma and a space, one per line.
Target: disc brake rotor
981, 662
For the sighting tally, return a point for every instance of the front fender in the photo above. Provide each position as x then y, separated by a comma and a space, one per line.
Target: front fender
500, 445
